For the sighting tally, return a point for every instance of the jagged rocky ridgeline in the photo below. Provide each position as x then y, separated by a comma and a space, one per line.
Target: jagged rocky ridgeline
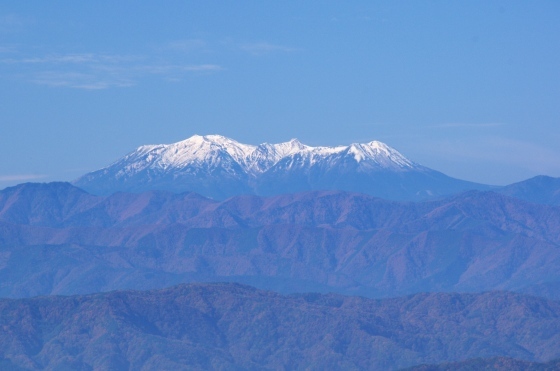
219, 167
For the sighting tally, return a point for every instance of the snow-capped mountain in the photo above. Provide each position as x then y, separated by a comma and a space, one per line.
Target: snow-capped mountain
215, 151
219, 167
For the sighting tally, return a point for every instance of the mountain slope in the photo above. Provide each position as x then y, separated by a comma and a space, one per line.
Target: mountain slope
490, 364
219, 167
226, 326
540, 189
318, 241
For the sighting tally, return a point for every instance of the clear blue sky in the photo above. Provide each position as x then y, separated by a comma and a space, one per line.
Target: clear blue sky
468, 88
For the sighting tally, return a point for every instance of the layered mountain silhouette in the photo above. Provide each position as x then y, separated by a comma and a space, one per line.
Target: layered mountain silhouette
228, 326
490, 364
58, 239
540, 189
480, 264
219, 167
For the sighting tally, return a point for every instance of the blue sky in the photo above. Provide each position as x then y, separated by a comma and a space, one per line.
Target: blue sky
470, 88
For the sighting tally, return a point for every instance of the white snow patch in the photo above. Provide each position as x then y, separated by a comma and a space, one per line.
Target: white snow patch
215, 151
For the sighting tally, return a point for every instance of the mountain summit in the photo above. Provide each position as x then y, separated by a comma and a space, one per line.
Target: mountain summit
216, 151
220, 167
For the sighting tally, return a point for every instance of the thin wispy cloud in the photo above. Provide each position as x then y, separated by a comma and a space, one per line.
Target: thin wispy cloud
21, 177
185, 46
163, 69
80, 80
265, 48
10, 23
6, 49
202, 68
468, 125
83, 58
70, 58
91, 71
98, 71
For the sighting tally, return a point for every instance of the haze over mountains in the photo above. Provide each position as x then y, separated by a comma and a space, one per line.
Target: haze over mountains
540, 189
219, 167
56, 238
289, 218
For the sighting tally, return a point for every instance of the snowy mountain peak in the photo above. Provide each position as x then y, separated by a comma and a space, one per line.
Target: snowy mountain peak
380, 153
216, 154
217, 151
220, 167
295, 143
198, 149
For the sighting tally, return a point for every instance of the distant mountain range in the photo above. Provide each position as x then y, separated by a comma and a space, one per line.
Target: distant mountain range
219, 167
57, 239
228, 326
540, 189
481, 264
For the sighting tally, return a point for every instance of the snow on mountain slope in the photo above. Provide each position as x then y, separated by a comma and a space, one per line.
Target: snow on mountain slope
215, 150
267, 155
381, 153
219, 167
367, 156
205, 152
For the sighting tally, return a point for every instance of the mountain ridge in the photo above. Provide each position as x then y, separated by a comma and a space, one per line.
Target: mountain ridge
232, 326
259, 158
313, 241
220, 167
539, 189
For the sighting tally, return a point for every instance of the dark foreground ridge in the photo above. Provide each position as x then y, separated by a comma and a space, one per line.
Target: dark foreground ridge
490, 364
229, 326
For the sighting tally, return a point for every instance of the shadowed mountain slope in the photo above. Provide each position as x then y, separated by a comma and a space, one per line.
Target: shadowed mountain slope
490, 364
57, 239
540, 189
217, 326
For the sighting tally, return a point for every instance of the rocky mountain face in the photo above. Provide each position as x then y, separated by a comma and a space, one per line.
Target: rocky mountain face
57, 239
228, 326
219, 167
